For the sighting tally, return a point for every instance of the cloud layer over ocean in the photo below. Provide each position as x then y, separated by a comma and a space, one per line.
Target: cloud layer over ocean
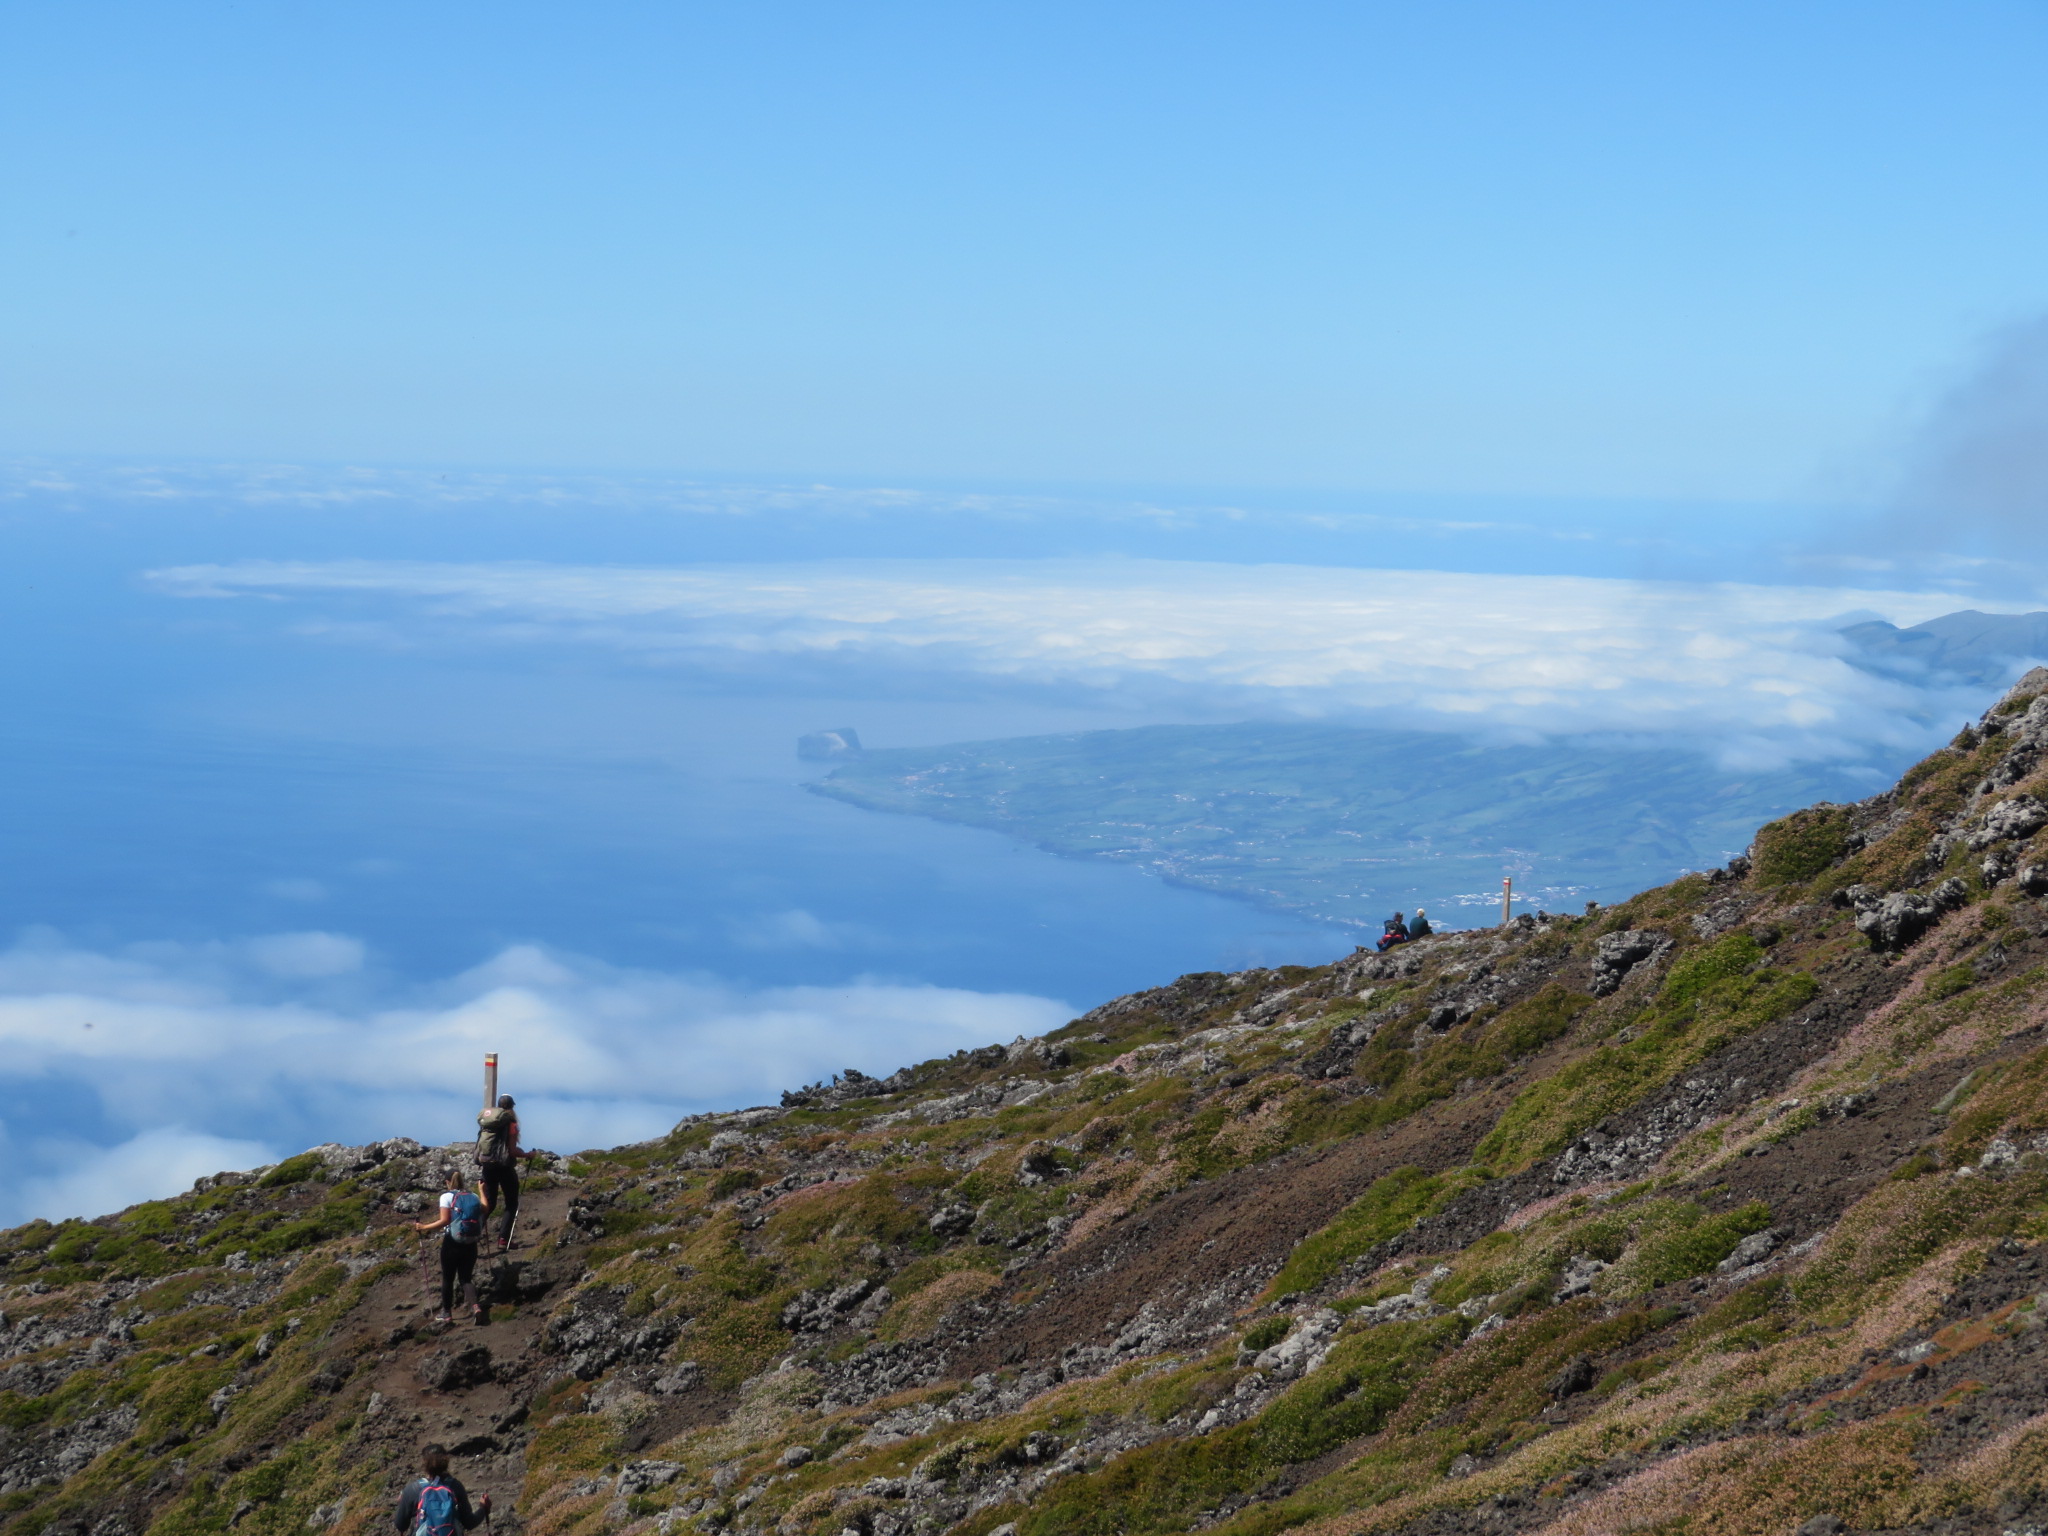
1753, 671
192, 1058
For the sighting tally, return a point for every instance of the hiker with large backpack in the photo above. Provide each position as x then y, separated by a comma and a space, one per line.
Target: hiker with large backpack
498, 1154
461, 1225
437, 1504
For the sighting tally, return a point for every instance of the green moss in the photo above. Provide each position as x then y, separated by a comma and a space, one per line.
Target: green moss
1713, 995
1267, 1332
731, 1181
1536, 1021
1192, 1391
293, 1170
1161, 1488
1947, 983
1901, 1225
155, 1218
323, 1280
1916, 1166
76, 1246
1696, 1242
1411, 1070
576, 1442
1750, 1304
190, 1326
176, 1397
1795, 849
2011, 1097
275, 1237
1394, 1203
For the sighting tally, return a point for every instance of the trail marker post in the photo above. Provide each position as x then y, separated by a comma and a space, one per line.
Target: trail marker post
1507, 902
490, 1079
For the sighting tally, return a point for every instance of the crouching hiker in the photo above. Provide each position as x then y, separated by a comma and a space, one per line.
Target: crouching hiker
461, 1223
498, 1154
437, 1504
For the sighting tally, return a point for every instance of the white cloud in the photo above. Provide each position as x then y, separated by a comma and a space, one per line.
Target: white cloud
301, 956
192, 1042
1754, 670
90, 1180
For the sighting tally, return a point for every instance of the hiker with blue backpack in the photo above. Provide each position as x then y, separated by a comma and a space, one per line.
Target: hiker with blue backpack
461, 1223
437, 1504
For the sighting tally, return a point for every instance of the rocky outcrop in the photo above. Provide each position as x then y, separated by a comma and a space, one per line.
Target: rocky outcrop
1891, 922
1616, 955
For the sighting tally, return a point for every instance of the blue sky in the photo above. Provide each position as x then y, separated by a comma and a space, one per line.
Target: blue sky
1718, 251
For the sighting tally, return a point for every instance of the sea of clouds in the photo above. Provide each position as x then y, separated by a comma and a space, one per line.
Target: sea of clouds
234, 1054
1754, 673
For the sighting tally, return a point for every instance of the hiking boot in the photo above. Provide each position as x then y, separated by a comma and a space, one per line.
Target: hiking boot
504, 1245
443, 1317
480, 1316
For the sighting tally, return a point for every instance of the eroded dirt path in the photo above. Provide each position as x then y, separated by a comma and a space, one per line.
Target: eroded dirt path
430, 1383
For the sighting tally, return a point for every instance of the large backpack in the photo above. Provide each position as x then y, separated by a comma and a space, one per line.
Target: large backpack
493, 1136
437, 1505
466, 1218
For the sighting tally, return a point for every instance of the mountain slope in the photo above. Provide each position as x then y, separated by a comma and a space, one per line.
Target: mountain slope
1716, 1211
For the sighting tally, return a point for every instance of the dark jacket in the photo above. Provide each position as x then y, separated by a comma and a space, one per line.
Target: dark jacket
407, 1515
1418, 927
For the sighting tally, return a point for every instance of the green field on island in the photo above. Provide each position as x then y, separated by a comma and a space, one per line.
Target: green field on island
1345, 824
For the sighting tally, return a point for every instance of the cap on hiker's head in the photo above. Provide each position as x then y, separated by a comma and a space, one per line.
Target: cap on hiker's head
504, 1101
451, 1175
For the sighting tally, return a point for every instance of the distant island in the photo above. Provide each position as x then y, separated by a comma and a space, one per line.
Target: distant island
1345, 824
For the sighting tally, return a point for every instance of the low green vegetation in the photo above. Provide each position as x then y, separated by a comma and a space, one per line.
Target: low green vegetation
1712, 995
1795, 849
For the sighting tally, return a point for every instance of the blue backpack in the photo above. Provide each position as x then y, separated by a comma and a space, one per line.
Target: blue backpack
466, 1218
437, 1499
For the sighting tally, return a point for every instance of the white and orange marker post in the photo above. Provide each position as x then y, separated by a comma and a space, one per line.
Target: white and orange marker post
490, 1079
1507, 903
